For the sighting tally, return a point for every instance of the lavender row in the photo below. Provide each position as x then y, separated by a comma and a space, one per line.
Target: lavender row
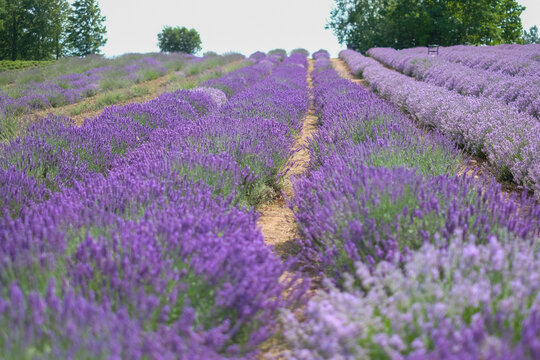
459, 301
508, 139
158, 256
509, 59
421, 264
521, 92
54, 153
370, 161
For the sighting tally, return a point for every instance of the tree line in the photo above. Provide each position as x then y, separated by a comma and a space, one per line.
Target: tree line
50, 29
363, 24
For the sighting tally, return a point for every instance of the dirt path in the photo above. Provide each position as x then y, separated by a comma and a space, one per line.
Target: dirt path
343, 70
277, 219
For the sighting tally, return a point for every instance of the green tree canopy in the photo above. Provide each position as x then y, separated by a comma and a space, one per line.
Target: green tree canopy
85, 31
32, 29
362, 24
179, 39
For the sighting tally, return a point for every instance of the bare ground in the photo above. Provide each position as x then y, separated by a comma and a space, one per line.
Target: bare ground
277, 220
343, 70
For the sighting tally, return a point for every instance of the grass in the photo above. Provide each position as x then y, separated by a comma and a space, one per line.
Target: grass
9, 127
7, 65
109, 98
114, 82
433, 160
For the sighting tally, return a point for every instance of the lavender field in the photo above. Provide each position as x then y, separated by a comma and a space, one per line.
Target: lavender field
297, 207
72, 80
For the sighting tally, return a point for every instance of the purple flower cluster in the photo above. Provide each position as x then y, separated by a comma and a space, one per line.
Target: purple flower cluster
421, 264
156, 253
510, 140
321, 54
54, 153
257, 55
519, 91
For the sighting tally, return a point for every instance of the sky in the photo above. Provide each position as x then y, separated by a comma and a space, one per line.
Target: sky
531, 15
243, 26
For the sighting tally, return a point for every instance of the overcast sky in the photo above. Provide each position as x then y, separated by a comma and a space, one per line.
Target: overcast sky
243, 26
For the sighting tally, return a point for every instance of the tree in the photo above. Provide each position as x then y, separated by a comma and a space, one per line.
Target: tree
85, 30
362, 24
3, 13
531, 37
359, 24
12, 29
509, 13
44, 23
174, 39
59, 24
32, 29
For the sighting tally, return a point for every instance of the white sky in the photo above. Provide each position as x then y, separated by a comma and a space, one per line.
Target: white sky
244, 26
531, 15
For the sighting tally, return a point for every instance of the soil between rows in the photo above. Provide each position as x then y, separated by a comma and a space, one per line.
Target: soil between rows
276, 219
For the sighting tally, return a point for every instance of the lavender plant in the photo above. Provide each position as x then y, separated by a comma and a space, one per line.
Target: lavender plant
379, 187
54, 153
509, 59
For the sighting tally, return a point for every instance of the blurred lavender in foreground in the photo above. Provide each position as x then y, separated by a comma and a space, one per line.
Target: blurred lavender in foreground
454, 300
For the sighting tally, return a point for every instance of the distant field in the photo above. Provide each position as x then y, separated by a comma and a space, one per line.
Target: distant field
6, 65
37, 91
